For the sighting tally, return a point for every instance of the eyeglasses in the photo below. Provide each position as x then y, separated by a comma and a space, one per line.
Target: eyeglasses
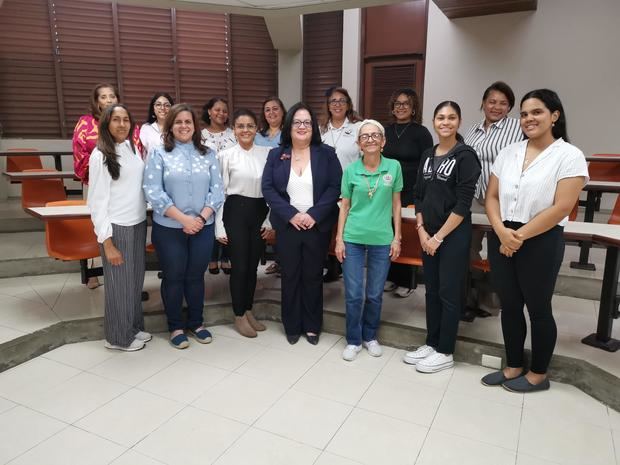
298, 124
398, 104
243, 127
162, 105
373, 135
337, 101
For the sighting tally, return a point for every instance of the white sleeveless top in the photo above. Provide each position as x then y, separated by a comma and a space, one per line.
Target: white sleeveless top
299, 189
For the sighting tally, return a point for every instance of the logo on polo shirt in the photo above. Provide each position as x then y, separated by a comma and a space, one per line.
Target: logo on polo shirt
387, 180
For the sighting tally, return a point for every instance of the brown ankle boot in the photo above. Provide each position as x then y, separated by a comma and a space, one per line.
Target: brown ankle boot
257, 325
243, 326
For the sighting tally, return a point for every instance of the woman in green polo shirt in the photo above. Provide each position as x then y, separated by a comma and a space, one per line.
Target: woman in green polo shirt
370, 205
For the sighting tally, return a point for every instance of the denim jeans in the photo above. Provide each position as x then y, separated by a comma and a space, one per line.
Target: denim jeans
183, 259
363, 314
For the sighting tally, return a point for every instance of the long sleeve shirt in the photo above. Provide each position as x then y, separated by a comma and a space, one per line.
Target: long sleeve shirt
85, 136
150, 136
242, 173
120, 201
184, 178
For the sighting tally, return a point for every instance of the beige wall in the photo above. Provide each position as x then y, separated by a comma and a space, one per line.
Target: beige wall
570, 46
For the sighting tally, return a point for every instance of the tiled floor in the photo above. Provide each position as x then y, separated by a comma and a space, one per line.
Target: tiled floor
238, 401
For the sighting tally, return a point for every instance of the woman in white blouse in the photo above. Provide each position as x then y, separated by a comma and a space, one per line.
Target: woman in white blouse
242, 223
533, 186
118, 212
151, 131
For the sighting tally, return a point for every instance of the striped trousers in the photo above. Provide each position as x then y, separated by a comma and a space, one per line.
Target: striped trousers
123, 285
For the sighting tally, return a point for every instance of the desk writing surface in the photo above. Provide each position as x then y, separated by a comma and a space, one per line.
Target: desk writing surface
22, 175
611, 159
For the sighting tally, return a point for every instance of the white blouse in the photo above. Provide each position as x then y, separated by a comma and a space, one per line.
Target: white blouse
242, 173
119, 202
299, 189
524, 193
218, 141
344, 141
150, 136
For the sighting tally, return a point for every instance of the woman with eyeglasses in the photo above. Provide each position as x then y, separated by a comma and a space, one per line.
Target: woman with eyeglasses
241, 223
340, 132
405, 140
301, 184
151, 132
370, 204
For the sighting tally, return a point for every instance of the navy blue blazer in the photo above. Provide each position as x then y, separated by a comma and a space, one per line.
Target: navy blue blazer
326, 178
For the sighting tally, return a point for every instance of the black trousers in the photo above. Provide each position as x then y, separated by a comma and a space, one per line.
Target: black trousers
445, 275
243, 218
528, 278
301, 260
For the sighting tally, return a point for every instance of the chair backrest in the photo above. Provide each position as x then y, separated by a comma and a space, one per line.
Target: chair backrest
37, 192
16, 164
615, 213
604, 171
573, 214
410, 249
71, 239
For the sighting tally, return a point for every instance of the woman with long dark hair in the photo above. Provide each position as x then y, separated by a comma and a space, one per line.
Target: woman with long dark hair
301, 184
183, 184
534, 185
118, 212
444, 190
151, 132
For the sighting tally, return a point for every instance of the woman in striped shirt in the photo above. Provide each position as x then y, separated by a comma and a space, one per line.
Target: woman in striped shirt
496, 131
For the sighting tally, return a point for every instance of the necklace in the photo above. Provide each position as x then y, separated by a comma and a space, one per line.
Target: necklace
398, 136
371, 191
340, 131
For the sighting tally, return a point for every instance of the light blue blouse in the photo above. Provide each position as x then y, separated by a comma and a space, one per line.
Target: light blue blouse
183, 178
267, 141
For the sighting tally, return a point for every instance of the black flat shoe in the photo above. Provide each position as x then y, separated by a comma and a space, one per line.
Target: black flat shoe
292, 338
312, 339
215, 270
468, 315
330, 277
226, 269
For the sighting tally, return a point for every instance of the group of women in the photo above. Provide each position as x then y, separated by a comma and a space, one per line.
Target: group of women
286, 172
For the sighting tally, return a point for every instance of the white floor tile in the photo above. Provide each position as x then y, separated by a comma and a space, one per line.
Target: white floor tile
336, 381
130, 417
83, 355
327, 458
8, 334
29, 380
396, 368
192, 437
134, 367
523, 459
131, 457
564, 401
444, 448
370, 438
72, 446
5, 405
616, 436
262, 448
614, 419
405, 400
22, 428
224, 352
77, 302
183, 381
25, 315
276, 366
48, 286
76, 397
240, 398
479, 419
304, 418
363, 360
275, 338
466, 381
570, 443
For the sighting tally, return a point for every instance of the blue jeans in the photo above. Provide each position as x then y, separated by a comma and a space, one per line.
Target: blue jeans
183, 259
363, 315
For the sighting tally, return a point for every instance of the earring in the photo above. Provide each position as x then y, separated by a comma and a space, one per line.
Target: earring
413, 113
552, 125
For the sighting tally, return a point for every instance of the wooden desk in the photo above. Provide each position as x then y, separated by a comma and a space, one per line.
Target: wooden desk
611, 159
57, 154
23, 175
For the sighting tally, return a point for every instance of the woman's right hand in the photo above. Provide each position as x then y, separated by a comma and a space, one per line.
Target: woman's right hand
223, 240
510, 239
297, 221
112, 254
191, 224
340, 250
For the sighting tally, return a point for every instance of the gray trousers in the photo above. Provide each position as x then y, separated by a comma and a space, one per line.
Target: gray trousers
123, 317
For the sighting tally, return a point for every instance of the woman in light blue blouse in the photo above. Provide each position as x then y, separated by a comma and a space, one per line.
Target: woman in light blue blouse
182, 182
271, 122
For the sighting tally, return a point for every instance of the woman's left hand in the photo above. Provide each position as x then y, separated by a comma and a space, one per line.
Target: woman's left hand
307, 221
395, 250
430, 246
267, 234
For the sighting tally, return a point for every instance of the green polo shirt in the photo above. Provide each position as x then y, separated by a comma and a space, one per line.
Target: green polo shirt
370, 217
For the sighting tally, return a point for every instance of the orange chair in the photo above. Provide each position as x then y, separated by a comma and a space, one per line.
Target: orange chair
603, 171
16, 164
38, 192
410, 248
72, 239
615, 213
573, 214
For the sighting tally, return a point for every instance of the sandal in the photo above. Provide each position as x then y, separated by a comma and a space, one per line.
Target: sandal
273, 268
93, 283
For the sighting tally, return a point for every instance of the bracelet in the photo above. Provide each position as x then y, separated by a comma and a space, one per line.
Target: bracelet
421, 225
396, 240
436, 239
204, 220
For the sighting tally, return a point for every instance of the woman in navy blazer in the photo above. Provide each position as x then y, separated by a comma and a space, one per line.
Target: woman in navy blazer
301, 184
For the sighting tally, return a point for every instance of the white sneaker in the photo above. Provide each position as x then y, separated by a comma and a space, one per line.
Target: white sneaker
373, 347
350, 352
143, 336
434, 363
136, 344
389, 286
412, 358
403, 292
